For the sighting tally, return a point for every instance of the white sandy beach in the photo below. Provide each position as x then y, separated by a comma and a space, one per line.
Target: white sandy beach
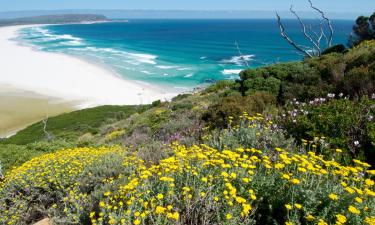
61, 79
66, 77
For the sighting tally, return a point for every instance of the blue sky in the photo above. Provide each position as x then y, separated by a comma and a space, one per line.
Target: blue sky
362, 6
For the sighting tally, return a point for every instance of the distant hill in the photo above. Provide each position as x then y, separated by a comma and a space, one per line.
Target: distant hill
54, 19
179, 14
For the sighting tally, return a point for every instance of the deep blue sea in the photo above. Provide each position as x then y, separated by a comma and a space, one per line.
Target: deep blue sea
176, 53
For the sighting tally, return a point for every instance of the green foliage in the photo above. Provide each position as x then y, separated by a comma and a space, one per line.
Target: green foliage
351, 72
70, 126
217, 115
219, 86
197, 185
180, 97
14, 155
254, 132
336, 48
363, 30
342, 123
156, 103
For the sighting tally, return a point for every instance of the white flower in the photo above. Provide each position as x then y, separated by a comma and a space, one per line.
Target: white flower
356, 143
331, 95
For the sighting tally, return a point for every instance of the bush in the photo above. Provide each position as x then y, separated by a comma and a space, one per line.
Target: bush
217, 115
195, 185
358, 82
219, 86
182, 105
156, 103
252, 132
335, 49
344, 124
350, 72
180, 97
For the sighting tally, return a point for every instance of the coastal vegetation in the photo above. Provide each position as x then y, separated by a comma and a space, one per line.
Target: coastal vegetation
290, 143
54, 19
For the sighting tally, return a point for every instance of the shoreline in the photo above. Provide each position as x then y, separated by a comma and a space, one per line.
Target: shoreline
65, 80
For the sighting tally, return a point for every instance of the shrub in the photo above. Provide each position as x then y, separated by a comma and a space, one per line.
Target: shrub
252, 132
182, 105
156, 103
195, 185
344, 124
358, 82
180, 97
217, 115
335, 49
219, 86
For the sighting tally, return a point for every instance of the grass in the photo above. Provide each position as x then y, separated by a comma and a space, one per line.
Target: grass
70, 126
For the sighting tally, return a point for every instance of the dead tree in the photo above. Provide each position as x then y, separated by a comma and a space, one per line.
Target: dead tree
313, 36
242, 57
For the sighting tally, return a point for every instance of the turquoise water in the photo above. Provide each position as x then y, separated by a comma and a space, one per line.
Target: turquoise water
177, 54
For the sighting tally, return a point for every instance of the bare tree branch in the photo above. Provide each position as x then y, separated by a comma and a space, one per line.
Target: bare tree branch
289, 40
304, 30
241, 55
330, 27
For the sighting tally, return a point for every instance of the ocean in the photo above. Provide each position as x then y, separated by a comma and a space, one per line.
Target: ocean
178, 54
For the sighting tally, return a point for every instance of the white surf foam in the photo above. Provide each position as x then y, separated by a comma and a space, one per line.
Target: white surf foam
230, 71
238, 60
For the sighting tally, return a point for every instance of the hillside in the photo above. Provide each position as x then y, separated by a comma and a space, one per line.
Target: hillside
54, 19
290, 143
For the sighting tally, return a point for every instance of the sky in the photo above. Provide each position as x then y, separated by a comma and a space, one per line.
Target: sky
341, 6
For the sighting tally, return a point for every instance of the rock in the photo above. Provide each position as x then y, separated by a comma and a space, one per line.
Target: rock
45, 221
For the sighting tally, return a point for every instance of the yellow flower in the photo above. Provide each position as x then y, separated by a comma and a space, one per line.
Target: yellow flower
354, 210
204, 179
333, 197
137, 221
160, 196
338, 150
246, 180
159, 210
310, 218
322, 222
298, 206
228, 216
136, 214
112, 221
246, 208
108, 193
370, 220
174, 215
369, 182
341, 219
203, 194
286, 176
288, 207
295, 181
288, 223
359, 200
